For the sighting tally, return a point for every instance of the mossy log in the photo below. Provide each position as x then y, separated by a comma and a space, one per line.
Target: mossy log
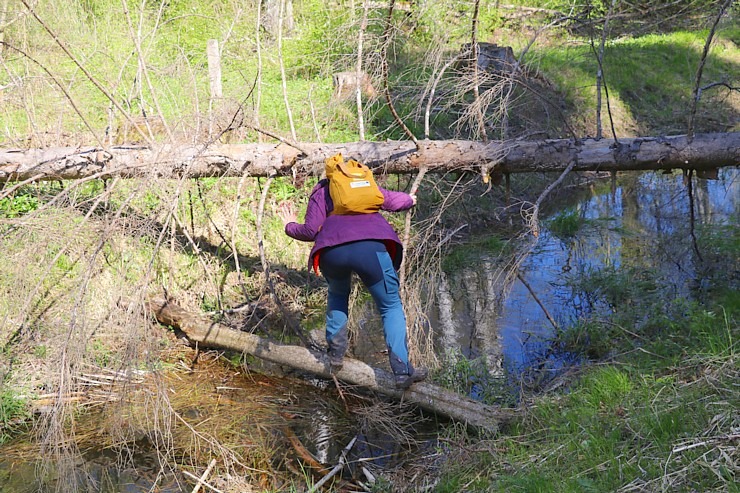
703, 152
427, 396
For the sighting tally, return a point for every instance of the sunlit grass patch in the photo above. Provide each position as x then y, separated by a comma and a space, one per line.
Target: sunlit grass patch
653, 96
566, 224
13, 409
659, 412
462, 255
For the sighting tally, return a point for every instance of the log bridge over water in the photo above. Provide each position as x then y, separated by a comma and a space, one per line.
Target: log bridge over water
205, 332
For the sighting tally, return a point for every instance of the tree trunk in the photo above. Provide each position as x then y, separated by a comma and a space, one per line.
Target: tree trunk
425, 395
703, 152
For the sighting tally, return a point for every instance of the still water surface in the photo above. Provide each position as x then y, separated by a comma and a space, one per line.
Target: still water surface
642, 223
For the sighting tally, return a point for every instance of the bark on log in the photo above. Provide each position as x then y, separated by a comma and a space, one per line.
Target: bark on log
425, 395
704, 151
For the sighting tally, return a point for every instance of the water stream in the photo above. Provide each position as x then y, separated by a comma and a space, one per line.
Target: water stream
642, 223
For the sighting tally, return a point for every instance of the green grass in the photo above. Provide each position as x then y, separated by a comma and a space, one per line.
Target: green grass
12, 410
462, 255
322, 43
566, 224
651, 76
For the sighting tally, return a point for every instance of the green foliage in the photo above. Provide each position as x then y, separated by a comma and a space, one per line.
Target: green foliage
381, 485
322, 41
102, 354
282, 189
565, 224
715, 332
12, 410
618, 288
590, 338
173, 36
606, 387
634, 16
462, 255
18, 205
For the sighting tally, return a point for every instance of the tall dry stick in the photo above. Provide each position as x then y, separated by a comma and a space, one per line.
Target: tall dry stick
407, 224
282, 71
600, 77
3, 26
266, 266
143, 71
479, 113
313, 117
385, 42
358, 89
432, 90
534, 219
234, 222
258, 100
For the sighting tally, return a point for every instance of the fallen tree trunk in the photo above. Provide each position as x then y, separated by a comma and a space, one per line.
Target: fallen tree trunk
704, 151
425, 395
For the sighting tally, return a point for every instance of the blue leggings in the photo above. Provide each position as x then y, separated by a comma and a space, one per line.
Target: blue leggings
370, 260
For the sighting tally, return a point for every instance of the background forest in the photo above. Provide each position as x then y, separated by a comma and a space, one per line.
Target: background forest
79, 259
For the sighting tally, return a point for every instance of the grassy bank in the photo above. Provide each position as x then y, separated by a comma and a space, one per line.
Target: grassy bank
657, 411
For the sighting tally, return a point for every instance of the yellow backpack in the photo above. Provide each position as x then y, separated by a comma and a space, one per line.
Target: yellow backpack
352, 187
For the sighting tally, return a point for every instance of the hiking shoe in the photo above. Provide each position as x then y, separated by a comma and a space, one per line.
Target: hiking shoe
403, 382
336, 362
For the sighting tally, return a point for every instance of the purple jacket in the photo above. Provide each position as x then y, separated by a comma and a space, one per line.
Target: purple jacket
330, 230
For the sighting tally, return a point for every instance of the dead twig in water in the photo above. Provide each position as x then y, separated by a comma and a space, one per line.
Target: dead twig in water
339, 389
302, 451
337, 468
202, 479
534, 218
539, 302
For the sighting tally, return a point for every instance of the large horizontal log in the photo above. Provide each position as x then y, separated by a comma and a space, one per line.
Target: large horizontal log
704, 151
425, 395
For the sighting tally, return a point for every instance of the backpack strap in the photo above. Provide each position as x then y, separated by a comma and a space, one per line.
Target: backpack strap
352, 171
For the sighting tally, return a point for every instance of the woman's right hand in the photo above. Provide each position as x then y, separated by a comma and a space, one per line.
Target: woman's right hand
286, 212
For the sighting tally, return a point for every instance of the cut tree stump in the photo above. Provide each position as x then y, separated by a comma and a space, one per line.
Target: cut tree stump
427, 396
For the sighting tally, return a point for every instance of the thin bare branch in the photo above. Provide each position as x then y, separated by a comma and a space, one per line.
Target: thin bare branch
87, 73
358, 89
385, 42
283, 78
61, 87
700, 68
476, 82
